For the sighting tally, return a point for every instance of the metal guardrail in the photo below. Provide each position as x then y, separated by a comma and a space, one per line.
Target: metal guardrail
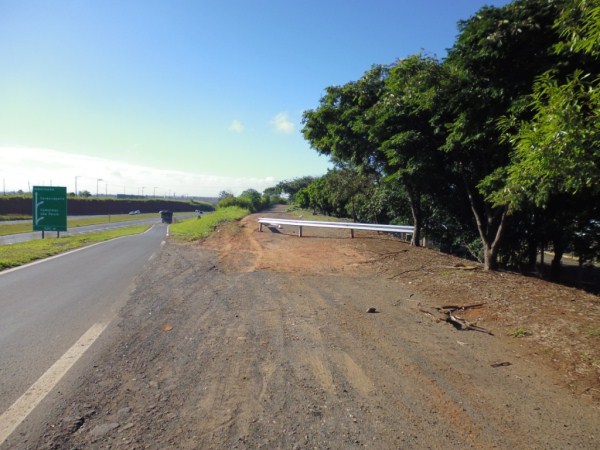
403, 229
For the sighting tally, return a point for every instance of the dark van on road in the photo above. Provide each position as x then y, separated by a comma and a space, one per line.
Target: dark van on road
166, 216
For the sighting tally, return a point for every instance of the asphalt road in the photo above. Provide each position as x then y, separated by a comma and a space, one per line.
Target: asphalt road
45, 307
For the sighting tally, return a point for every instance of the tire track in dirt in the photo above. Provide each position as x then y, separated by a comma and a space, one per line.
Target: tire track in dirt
353, 359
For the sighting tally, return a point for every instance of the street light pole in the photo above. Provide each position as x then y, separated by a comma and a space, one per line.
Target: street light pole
76, 176
154, 194
97, 182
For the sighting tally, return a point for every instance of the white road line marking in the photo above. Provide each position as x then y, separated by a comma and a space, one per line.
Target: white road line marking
15, 414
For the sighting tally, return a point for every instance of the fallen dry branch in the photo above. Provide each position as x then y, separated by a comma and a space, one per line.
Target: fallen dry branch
462, 307
447, 314
408, 271
461, 266
383, 256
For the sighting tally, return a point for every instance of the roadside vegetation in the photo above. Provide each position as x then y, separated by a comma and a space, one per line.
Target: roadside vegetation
307, 214
7, 217
250, 199
202, 226
229, 207
14, 255
491, 153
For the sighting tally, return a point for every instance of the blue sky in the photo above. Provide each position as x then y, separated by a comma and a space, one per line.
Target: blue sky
188, 97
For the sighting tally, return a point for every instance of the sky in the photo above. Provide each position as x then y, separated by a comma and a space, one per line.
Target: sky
189, 97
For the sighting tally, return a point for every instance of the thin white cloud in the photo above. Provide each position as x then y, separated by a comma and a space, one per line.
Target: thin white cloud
282, 123
22, 168
236, 126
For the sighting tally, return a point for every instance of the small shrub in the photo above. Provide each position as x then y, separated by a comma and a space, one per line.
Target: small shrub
520, 332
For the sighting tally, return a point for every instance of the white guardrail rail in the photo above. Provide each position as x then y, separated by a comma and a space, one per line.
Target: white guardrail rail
402, 229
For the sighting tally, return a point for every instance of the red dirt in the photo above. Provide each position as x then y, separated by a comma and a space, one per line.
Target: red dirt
270, 346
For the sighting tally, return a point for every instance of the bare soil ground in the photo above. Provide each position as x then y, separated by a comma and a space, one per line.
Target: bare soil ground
262, 340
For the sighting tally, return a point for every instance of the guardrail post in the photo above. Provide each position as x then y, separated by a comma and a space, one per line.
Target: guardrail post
260, 226
352, 233
299, 231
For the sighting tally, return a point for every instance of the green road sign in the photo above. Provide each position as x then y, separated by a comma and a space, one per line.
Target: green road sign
49, 208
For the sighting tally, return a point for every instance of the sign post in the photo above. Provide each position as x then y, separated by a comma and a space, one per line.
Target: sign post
49, 209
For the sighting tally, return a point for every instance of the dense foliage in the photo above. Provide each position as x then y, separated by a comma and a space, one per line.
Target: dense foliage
250, 200
493, 151
202, 226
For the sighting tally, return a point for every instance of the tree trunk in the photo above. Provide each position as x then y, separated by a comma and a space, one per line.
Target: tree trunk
556, 261
490, 257
415, 206
418, 224
532, 247
490, 230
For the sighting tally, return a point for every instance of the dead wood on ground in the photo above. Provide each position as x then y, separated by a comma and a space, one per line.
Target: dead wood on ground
448, 314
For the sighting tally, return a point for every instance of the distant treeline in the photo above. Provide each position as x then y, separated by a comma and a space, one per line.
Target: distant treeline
22, 205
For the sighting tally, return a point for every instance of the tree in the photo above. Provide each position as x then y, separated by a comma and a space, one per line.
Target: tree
558, 150
401, 128
556, 157
379, 126
254, 199
492, 66
338, 129
225, 194
291, 187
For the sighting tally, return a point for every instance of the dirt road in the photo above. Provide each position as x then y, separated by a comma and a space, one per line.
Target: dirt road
262, 340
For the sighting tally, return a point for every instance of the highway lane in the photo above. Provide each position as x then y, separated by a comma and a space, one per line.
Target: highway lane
24, 237
45, 307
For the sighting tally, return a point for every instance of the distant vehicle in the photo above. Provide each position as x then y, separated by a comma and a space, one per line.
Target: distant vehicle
166, 216
132, 213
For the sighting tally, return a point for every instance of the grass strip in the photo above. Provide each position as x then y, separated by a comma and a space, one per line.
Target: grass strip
26, 226
200, 227
4, 217
14, 255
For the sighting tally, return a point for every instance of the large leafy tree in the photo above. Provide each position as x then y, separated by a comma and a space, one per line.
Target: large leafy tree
558, 150
380, 126
291, 187
402, 130
338, 127
555, 165
492, 66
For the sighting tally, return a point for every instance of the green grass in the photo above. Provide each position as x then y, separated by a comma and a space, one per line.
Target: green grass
26, 226
14, 255
4, 217
592, 331
199, 228
307, 214
520, 332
